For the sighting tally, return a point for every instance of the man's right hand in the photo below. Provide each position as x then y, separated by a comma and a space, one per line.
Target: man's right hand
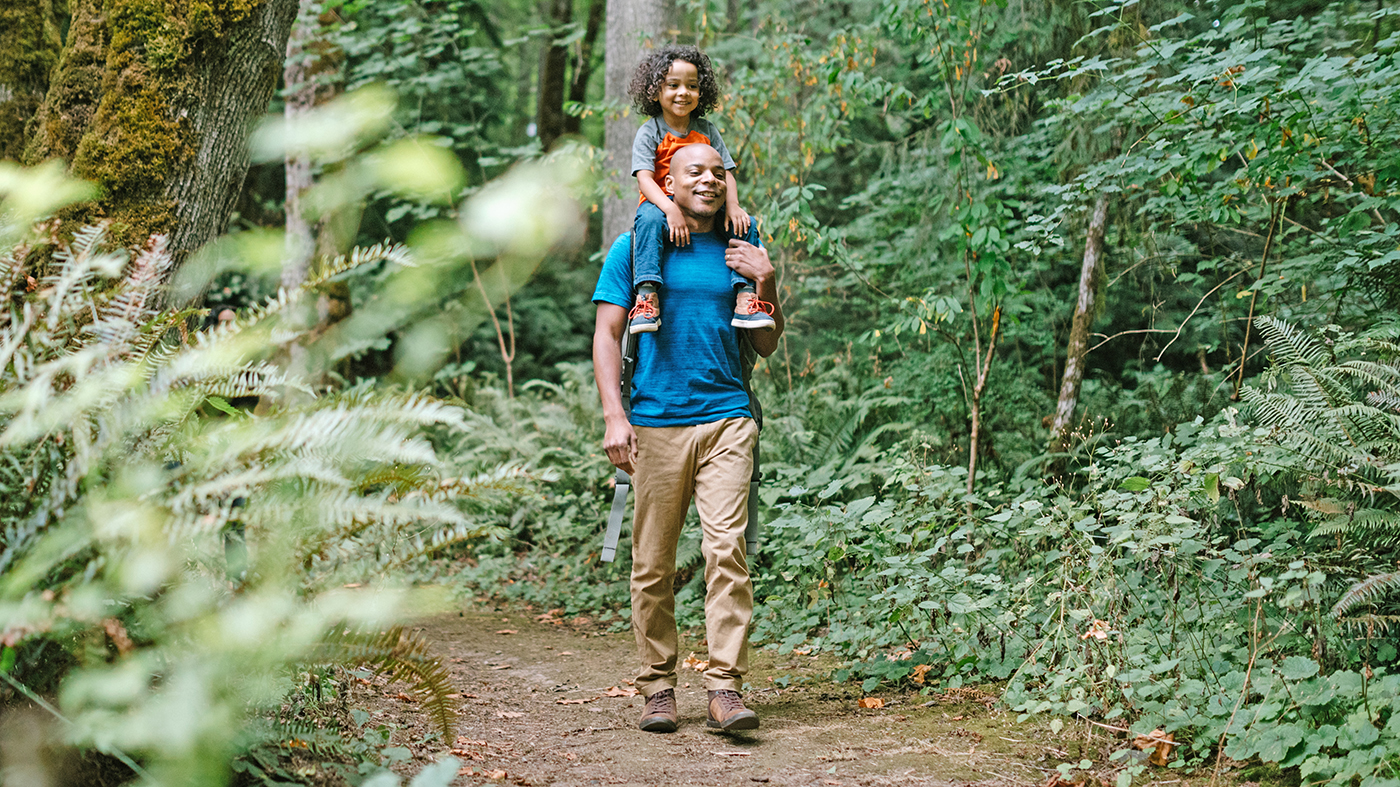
620, 442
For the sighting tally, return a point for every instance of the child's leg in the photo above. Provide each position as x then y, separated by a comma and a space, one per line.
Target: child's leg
648, 238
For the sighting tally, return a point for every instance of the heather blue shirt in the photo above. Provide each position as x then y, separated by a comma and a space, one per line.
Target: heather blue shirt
688, 372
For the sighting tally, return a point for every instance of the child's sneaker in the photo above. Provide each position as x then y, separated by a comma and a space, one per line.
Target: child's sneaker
645, 316
750, 312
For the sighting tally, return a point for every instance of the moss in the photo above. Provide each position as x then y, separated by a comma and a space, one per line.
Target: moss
29, 50
136, 139
75, 89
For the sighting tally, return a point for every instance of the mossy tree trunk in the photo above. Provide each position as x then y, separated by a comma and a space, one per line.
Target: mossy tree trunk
29, 50
153, 100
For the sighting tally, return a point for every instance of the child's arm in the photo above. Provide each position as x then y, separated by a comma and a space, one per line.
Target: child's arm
736, 219
679, 233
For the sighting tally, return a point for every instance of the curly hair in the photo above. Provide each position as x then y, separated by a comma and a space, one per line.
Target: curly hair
651, 75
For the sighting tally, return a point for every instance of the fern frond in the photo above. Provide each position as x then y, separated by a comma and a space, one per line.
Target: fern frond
1370, 623
396, 253
1384, 400
1363, 521
403, 656
1367, 591
1291, 345
119, 319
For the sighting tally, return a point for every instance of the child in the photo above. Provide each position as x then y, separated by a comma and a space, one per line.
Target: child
676, 86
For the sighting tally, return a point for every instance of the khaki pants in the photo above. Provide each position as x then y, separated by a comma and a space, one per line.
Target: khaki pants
711, 462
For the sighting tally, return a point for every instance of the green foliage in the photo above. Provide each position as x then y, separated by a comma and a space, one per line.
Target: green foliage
174, 555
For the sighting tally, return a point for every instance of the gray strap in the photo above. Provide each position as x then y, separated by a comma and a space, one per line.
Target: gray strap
752, 531
619, 507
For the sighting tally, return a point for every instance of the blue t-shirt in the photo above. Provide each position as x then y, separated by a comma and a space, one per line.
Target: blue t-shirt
690, 371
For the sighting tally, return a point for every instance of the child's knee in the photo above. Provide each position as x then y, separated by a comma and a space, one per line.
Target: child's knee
649, 214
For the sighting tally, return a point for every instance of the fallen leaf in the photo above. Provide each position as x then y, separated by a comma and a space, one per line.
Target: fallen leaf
566, 653
691, 662
469, 696
464, 741
501, 666
618, 691
871, 702
919, 669
509, 714
574, 702
1160, 742
802, 652
957, 718
507, 631
494, 774
1097, 630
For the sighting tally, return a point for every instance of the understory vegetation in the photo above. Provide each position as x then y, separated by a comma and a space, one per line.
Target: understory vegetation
1089, 395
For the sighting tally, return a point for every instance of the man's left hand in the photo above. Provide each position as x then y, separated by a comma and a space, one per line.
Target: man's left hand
748, 260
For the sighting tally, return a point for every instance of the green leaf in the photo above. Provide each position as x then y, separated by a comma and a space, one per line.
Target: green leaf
1135, 484
439, 774
1297, 668
221, 404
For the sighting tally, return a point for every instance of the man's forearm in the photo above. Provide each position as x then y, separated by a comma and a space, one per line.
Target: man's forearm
607, 373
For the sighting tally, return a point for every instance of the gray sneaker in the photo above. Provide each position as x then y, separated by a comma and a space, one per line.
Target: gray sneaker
660, 712
750, 311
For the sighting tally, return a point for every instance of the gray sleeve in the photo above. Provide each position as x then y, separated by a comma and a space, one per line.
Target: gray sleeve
644, 148
716, 142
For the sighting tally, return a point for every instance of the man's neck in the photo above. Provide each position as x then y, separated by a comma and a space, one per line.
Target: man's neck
699, 225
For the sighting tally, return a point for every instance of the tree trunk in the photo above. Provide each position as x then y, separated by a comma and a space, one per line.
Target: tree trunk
156, 108
301, 98
583, 67
29, 49
1089, 275
633, 26
549, 115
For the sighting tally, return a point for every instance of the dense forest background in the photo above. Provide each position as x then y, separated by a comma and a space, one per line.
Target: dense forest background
1089, 387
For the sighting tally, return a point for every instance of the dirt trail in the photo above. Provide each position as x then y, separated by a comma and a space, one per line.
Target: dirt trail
535, 711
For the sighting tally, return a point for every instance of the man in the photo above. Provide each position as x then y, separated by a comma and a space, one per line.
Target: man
691, 433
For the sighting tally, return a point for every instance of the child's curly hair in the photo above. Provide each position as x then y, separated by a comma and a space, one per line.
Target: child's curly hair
651, 75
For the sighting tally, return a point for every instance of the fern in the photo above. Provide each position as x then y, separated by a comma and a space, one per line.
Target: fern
400, 655
1338, 416
1366, 592
105, 431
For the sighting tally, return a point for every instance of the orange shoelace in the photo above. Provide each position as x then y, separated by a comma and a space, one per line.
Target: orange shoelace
644, 308
755, 306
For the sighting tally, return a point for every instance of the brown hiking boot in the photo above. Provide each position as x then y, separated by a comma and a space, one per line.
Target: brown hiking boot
660, 712
727, 712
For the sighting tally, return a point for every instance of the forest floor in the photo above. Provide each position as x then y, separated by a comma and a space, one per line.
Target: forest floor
545, 701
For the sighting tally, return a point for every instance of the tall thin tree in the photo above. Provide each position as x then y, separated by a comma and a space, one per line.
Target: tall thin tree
1090, 273
633, 27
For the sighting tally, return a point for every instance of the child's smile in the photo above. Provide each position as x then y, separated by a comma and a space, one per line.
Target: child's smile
679, 93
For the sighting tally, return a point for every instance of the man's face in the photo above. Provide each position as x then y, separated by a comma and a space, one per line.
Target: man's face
697, 180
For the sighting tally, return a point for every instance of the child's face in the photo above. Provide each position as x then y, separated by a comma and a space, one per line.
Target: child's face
680, 90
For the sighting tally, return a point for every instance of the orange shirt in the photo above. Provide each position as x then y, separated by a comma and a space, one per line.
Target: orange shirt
668, 147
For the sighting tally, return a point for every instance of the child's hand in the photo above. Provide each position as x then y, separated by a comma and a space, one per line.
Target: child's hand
737, 220
677, 231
